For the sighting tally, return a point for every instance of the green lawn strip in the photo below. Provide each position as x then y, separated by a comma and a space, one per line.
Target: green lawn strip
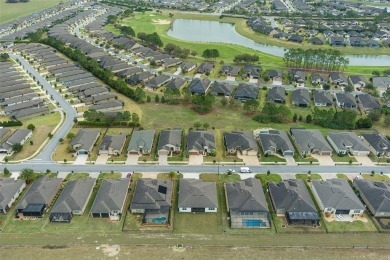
270, 158
213, 177
346, 158
341, 176
76, 175
304, 177
355, 226
375, 159
132, 222
165, 176
110, 175
376, 177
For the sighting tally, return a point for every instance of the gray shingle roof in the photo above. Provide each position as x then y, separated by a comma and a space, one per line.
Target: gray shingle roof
309, 139
199, 86
41, 191
107, 105
322, 97
301, 96
199, 140
74, 196
176, 83
368, 102
111, 195
245, 91
219, 88
157, 81
152, 194
169, 138
277, 139
276, 93
378, 142
141, 140
114, 142
240, 140
85, 138
292, 196
346, 99
342, 140
337, 194
194, 193
246, 195
377, 194
8, 189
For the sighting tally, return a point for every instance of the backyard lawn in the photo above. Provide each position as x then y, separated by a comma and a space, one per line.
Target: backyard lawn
344, 226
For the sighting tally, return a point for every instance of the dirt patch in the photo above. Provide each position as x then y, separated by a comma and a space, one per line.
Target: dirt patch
111, 250
161, 21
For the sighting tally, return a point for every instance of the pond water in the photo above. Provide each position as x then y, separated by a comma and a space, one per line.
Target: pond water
212, 31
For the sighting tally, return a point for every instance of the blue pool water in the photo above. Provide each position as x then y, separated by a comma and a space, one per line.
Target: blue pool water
253, 223
159, 220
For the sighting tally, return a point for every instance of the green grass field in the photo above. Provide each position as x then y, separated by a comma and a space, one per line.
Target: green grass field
12, 11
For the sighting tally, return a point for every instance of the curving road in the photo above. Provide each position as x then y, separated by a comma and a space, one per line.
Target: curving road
70, 113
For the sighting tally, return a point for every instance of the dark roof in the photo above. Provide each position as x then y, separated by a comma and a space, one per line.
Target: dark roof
292, 196
377, 194
152, 194
221, 88
346, 99
308, 139
322, 97
85, 138
368, 102
176, 83
8, 189
157, 81
199, 86
337, 194
195, 193
241, 140
245, 91
276, 93
41, 192
301, 96
169, 138
74, 196
378, 142
199, 140
142, 139
111, 195
277, 139
114, 142
246, 196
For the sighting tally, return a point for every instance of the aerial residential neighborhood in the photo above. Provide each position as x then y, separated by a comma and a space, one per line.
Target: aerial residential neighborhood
180, 129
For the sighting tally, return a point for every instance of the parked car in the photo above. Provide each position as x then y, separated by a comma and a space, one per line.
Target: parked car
245, 170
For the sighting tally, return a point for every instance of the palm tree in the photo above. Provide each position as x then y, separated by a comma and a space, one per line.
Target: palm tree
172, 175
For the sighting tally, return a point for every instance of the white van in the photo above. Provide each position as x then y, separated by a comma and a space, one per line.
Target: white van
245, 170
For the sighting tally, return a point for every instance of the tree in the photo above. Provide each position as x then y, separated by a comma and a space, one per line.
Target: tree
70, 135
135, 118
386, 122
251, 105
156, 98
61, 140
148, 99
127, 30
203, 104
268, 173
65, 160
295, 117
374, 115
112, 19
300, 118
6, 172
172, 175
139, 95
309, 118
224, 101
211, 54
266, 76
28, 175
31, 127
197, 125
194, 53
206, 125
326, 86
376, 73
17, 147
363, 123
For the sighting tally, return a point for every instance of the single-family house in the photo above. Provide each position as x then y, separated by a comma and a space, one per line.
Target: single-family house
205, 68
246, 204
358, 81
300, 97
376, 195
141, 142
112, 144
246, 92
110, 199
169, 142
317, 79
175, 83
347, 142
10, 189
196, 195
157, 81
338, 78
382, 83
298, 76
84, 141
242, 142
275, 141
336, 197
19, 136
322, 98
251, 71
221, 89
38, 197
153, 199
291, 199
378, 144
199, 86
310, 141
187, 66
277, 95
230, 71
345, 100
367, 102
200, 142
276, 76
73, 200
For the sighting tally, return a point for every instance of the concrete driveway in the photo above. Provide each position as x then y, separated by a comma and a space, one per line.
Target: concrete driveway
230, 78
364, 160
132, 159
195, 159
253, 80
323, 159
81, 159
163, 159
102, 159
249, 159
2, 156
290, 160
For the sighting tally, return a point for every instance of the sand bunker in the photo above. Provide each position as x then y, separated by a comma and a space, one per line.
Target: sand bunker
161, 22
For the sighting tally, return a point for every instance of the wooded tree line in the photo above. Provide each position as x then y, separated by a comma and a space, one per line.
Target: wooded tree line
245, 58
316, 59
272, 113
176, 50
211, 54
152, 39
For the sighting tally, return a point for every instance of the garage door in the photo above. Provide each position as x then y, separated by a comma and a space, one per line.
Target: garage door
105, 215
288, 153
342, 211
197, 210
83, 152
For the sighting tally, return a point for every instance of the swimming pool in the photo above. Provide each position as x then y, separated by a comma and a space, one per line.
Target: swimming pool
159, 220
253, 223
